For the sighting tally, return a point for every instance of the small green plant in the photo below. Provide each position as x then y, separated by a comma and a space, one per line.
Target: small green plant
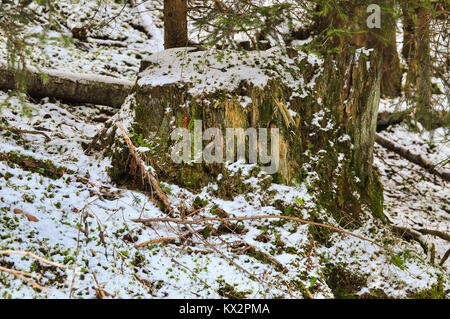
199, 203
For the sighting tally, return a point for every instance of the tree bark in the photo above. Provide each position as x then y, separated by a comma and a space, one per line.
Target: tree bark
175, 24
391, 79
423, 58
408, 31
416, 50
66, 86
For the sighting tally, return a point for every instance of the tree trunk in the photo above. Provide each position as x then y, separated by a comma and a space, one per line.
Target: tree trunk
408, 31
175, 24
423, 59
416, 51
391, 80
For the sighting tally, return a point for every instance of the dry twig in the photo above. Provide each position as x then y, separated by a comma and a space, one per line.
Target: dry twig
30, 254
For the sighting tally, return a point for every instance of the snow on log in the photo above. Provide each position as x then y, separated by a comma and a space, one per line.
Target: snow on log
69, 87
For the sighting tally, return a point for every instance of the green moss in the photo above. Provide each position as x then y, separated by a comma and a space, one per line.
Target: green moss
228, 291
435, 292
29, 163
376, 197
199, 203
342, 282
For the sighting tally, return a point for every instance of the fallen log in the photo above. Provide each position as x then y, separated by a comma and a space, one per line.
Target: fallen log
68, 87
386, 119
412, 157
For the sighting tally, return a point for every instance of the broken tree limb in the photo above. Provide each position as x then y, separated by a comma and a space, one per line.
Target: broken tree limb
44, 167
411, 234
32, 255
19, 132
152, 180
412, 157
68, 87
433, 232
444, 259
21, 275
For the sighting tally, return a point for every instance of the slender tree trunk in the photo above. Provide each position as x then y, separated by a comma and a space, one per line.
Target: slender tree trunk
175, 23
416, 51
408, 31
391, 72
423, 58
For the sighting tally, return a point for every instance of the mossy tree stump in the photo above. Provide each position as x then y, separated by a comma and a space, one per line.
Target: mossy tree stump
325, 111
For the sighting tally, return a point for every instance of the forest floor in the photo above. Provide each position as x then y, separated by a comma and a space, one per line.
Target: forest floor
82, 220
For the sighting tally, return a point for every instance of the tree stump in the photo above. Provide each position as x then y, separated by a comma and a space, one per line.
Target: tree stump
325, 111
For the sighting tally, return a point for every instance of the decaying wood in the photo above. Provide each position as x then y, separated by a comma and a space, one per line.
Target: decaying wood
410, 156
252, 250
152, 180
34, 164
69, 87
385, 118
434, 233
48, 170
30, 217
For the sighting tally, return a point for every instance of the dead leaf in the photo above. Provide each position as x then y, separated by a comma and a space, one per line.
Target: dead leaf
30, 217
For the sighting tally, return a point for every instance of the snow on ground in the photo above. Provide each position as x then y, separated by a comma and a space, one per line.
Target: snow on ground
86, 222
415, 198
89, 227
117, 38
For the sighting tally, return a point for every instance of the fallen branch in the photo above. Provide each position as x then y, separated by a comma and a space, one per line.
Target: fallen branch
444, 259
43, 167
208, 219
66, 86
411, 234
20, 275
154, 241
30, 217
49, 170
433, 232
30, 254
386, 119
252, 251
414, 158
152, 180
19, 132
